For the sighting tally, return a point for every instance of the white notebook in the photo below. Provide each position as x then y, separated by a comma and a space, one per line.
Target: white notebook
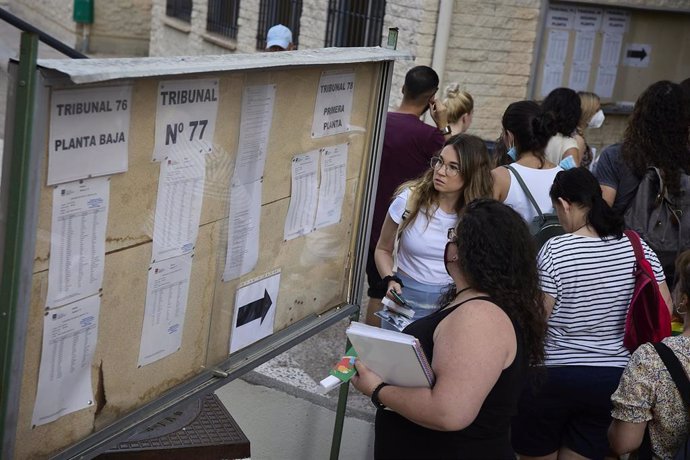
396, 357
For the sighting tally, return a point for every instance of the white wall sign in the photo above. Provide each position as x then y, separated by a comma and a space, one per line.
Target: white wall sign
333, 104
255, 310
89, 133
560, 17
637, 55
185, 116
615, 21
588, 19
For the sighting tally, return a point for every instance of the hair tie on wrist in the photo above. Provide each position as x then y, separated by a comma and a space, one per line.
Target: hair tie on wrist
387, 279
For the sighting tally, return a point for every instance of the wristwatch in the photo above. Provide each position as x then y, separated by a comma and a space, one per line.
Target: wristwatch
445, 131
375, 396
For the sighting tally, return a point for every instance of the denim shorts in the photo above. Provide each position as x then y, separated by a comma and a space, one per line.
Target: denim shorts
422, 298
569, 407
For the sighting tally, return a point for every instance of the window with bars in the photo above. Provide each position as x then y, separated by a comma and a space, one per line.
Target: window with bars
355, 22
180, 9
222, 17
272, 12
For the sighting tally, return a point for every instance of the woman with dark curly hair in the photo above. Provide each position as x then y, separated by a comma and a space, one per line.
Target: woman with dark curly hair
587, 276
479, 344
657, 135
563, 148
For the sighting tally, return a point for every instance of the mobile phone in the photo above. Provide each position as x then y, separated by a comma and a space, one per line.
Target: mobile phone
397, 297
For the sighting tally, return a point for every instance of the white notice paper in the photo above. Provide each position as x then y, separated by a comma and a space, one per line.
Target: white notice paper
637, 54
332, 187
611, 49
579, 76
257, 114
77, 240
255, 310
185, 116
588, 19
303, 195
166, 303
552, 77
333, 104
243, 229
606, 79
615, 21
557, 46
70, 334
584, 46
89, 133
178, 206
560, 17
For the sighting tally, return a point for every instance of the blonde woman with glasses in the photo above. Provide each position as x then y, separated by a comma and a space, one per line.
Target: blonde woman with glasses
420, 215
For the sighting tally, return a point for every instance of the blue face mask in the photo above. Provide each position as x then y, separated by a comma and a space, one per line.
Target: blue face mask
512, 153
567, 163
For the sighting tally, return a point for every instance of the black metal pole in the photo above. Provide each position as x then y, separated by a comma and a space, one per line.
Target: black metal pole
42, 36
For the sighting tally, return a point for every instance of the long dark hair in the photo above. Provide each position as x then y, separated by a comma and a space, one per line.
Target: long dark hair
564, 103
578, 186
530, 126
497, 255
657, 134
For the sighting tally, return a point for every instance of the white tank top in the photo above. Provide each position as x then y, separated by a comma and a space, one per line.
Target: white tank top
538, 182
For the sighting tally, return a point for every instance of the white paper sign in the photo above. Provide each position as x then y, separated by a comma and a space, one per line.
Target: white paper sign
332, 185
303, 195
185, 116
166, 303
70, 334
242, 251
255, 310
584, 47
89, 133
606, 80
552, 78
611, 50
579, 76
77, 240
588, 19
637, 55
178, 206
560, 17
333, 104
615, 21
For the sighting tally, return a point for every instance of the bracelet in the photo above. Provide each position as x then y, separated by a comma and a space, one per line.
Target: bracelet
387, 279
375, 396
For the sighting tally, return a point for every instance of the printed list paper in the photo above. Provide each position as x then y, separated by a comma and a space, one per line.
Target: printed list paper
255, 125
303, 196
70, 334
166, 303
178, 205
89, 133
77, 240
332, 186
243, 234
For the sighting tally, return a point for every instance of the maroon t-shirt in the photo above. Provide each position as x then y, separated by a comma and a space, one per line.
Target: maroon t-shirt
408, 145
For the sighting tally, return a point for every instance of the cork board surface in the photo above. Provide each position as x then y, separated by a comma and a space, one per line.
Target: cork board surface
315, 269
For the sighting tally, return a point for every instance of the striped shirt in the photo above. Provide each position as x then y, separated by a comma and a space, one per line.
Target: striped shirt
592, 281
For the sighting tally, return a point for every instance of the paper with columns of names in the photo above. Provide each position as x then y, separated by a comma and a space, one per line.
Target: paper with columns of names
77, 240
89, 133
333, 108
166, 304
303, 195
332, 185
244, 214
552, 77
178, 204
70, 334
244, 221
186, 114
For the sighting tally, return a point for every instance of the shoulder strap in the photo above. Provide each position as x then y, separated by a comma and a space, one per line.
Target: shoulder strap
524, 188
398, 232
635, 242
675, 368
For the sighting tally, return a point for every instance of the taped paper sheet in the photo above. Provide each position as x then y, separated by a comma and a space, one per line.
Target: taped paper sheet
244, 219
303, 195
255, 310
257, 114
332, 185
333, 107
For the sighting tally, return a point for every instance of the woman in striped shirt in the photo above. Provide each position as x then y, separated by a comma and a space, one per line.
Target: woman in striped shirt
587, 278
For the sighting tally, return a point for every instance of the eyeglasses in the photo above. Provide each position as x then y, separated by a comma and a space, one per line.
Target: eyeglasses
451, 169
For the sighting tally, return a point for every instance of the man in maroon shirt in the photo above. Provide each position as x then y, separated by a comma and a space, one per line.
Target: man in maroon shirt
408, 146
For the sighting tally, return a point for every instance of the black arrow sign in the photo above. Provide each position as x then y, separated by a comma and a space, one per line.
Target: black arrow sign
254, 310
641, 54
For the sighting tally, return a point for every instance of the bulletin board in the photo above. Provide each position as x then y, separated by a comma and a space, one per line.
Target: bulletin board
301, 276
614, 52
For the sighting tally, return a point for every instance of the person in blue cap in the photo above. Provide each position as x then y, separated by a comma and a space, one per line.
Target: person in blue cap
279, 38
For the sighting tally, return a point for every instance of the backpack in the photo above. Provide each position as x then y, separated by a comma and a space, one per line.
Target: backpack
544, 226
675, 368
648, 318
661, 220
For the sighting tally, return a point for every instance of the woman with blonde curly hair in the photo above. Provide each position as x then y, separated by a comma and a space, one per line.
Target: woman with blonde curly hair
459, 109
592, 117
421, 214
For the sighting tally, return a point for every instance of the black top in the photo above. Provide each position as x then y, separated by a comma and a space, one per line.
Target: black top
486, 437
